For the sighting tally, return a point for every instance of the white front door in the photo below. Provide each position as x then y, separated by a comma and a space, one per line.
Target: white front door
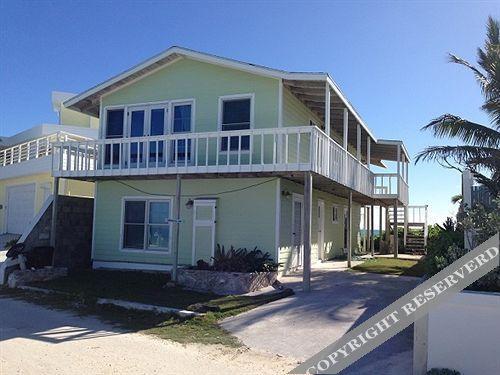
20, 207
204, 219
321, 229
297, 230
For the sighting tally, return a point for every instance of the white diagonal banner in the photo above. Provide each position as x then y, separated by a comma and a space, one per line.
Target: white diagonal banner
406, 310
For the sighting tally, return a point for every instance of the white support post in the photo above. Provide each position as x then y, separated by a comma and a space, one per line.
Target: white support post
406, 170
368, 151
327, 109
345, 137
372, 224
358, 142
395, 229
306, 276
405, 233
380, 228
175, 237
345, 133
399, 160
349, 230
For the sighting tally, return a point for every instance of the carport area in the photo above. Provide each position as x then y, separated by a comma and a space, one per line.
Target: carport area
301, 325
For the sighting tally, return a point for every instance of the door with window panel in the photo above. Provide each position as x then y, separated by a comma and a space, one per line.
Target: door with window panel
157, 126
181, 149
236, 115
114, 129
137, 128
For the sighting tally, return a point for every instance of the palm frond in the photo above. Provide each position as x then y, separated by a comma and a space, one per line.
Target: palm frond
483, 156
452, 126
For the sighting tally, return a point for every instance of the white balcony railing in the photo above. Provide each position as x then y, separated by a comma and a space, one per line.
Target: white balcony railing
284, 149
34, 149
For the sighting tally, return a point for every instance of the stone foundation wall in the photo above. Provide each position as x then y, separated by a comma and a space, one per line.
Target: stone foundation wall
22, 277
225, 283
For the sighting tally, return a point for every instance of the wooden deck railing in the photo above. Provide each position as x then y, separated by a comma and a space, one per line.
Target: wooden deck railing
304, 148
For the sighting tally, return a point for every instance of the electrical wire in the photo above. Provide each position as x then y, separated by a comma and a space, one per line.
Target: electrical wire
199, 195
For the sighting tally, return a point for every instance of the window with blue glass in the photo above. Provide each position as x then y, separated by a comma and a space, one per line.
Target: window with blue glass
236, 116
181, 123
114, 129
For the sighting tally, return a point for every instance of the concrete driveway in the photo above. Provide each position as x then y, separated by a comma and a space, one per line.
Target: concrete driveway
302, 325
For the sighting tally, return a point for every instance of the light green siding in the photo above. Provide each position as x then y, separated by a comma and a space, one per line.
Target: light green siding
74, 118
190, 79
245, 218
333, 232
295, 113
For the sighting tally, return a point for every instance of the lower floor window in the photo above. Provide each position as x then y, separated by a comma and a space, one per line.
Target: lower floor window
146, 224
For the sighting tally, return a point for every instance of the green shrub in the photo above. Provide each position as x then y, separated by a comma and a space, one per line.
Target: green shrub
442, 371
443, 245
240, 260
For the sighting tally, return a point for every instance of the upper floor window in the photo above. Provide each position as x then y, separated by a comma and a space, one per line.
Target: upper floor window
236, 114
114, 123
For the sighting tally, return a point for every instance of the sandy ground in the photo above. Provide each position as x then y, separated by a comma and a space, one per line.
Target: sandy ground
37, 340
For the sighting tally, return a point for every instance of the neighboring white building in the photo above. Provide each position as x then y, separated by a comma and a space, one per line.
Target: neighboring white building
26, 164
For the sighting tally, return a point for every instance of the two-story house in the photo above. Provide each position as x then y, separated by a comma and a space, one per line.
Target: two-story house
26, 166
268, 158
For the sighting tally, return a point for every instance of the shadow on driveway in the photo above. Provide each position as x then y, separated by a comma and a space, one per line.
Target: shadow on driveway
302, 325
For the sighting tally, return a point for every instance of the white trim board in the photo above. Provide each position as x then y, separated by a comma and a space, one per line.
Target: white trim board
131, 266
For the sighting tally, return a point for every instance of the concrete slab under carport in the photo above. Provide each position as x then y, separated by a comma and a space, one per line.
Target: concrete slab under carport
301, 325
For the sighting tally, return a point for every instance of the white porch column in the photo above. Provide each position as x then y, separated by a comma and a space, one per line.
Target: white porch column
306, 275
372, 224
395, 228
177, 218
380, 228
349, 230
368, 151
405, 229
399, 160
345, 135
358, 142
327, 109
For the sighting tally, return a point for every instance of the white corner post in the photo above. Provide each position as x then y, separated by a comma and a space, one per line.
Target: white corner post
358, 142
368, 151
380, 228
405, 229
399, 160
395, 227
327, 108
345, 135
372, 224
349, 230
306, 275
55, 201
176, 228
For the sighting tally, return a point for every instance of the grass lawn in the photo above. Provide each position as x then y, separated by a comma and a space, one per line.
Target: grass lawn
391, 266
84, 287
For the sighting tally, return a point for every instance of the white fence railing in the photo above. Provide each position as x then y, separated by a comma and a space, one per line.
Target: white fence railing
255, 150
34, 149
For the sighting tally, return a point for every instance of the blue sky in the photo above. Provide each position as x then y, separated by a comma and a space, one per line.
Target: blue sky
388, 57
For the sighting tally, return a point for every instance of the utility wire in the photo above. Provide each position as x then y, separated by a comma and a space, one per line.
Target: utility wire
199, 195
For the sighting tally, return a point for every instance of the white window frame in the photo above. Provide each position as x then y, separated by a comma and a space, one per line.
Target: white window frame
147, 200
148, 106
225, 98
335, 207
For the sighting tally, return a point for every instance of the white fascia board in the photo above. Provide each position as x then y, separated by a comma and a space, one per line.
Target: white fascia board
204, 57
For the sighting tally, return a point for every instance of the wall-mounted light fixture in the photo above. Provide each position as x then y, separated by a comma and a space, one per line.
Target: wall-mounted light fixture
189, 204
285, 193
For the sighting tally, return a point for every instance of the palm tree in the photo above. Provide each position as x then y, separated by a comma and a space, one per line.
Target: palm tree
480, 149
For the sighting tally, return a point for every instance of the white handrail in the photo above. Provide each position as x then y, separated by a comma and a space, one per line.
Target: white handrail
34, 149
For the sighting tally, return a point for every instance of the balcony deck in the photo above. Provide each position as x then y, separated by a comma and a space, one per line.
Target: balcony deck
269, 151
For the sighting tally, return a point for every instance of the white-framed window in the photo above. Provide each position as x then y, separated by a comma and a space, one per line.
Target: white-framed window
146, 224
335, 214
236, 113
181, 122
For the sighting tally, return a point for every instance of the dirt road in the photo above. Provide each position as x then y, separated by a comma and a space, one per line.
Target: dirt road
37, 340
